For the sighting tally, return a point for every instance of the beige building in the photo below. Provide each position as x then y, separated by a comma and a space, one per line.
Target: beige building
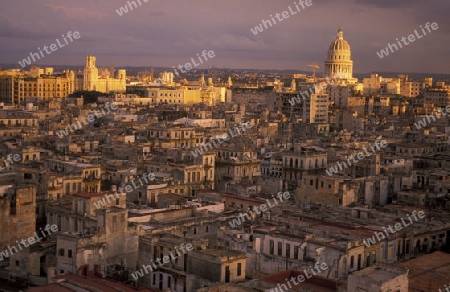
410, 89
91, 236
108, 243
438, 96
185, 96
211, 265
319, 108
17, 119
14, 88
373, 84
308, 105
102, 82
379, 279
236, 165
340, 95
308, 161
168, 277
326, 191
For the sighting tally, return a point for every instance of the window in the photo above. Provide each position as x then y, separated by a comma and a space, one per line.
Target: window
239, 269
352, 260
154, 279
280, 248
69, 253
288, 250
271, 247
117, 201
61, 252
296, 252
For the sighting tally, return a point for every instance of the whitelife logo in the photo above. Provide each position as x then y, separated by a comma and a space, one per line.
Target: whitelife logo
411, 38
53, 48
11, 157
314, 88
360, 156
188, 66
199, 151
124, 9
423, 123
90, 119
31, 240
380, 236
263, 208
301, 278
284, 14
128, 188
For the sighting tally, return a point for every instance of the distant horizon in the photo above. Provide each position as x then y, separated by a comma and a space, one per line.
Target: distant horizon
148, 67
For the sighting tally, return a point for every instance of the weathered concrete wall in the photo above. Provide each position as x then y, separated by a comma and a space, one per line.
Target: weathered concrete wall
17, 216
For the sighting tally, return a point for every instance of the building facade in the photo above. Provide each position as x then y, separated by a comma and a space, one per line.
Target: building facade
103, 82
339, 60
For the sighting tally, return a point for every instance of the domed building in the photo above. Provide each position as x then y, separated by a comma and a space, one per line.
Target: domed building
339, 63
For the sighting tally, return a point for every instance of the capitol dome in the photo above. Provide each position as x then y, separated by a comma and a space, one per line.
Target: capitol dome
339, 63
339, 44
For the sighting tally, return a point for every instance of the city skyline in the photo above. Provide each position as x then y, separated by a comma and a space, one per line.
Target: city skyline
157, 34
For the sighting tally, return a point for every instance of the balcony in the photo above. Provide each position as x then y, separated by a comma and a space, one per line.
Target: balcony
91, 178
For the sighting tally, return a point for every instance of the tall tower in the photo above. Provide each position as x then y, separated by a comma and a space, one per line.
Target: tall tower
293, 85
90, 74
230, 82
339, 63
202, 80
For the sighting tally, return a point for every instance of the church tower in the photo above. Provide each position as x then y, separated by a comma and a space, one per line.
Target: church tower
90, 74
339, 63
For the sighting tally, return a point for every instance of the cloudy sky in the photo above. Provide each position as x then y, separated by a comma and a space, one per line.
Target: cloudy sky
168, 33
